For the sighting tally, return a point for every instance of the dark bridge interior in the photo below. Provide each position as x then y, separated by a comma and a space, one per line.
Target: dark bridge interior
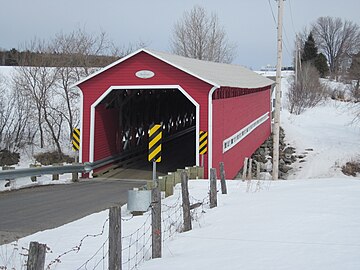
138, 110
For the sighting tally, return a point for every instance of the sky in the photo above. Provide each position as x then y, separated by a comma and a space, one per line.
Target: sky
249, 24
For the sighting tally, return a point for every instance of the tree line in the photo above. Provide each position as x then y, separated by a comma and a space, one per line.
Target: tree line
330, 49
14, 57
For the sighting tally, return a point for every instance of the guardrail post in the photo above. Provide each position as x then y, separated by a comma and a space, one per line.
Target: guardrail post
177, 177
36, 259
192, 172
10, 182
200, 172
34, 178
75, 175
162, 180
56, 176
169, 185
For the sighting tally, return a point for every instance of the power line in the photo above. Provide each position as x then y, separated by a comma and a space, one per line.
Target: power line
272, 12
291, 17
286, 37
287, 40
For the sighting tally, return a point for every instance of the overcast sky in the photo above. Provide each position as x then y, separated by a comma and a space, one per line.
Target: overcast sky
248, 23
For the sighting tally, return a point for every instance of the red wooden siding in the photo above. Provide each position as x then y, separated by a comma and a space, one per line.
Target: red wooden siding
231, 115
107, 131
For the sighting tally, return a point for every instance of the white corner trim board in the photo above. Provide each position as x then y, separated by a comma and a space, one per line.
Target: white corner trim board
210, 127
241, 134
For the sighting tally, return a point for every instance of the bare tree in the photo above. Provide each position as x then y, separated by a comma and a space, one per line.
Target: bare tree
15, 115
199, 35
43, 100
36, 83
306, 91
337, 40
77, 48
6, 112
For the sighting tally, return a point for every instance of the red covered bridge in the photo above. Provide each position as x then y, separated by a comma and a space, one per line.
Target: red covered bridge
122, 100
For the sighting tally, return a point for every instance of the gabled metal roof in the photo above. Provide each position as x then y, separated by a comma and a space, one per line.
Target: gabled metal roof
216, 74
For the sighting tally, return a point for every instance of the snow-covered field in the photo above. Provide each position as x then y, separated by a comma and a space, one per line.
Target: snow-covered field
309, 222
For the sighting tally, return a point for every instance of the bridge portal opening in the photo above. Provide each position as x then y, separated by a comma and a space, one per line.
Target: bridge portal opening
123, 118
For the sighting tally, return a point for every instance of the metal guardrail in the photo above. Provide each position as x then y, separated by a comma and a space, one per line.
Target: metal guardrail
79, 168
18, 173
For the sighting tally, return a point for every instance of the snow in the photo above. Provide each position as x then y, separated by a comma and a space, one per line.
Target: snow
310, 221
327, 129
297, 224
293, 225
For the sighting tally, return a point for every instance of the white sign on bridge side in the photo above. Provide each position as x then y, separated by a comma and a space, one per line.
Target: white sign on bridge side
241, 134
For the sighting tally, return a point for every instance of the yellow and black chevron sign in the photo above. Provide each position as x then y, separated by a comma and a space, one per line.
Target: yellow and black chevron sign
203, 142
76, 139
155, 135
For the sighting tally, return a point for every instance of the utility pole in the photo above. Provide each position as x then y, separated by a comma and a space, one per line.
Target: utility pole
296, 58
276, 129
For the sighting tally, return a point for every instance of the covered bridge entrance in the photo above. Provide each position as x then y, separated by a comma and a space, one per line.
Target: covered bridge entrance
186, 96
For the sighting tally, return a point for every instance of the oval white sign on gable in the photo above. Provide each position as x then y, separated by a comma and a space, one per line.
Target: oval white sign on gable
145, 74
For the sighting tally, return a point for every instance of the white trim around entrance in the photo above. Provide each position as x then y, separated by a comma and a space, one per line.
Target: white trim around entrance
210, 127
141, 87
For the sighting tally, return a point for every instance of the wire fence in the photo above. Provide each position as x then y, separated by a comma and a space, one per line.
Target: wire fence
136, 246
171, 219
94, 258
13, 254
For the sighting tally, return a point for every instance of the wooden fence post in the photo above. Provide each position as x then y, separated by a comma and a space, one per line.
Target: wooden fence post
245, 169
222, 178
36, 259
156, 220
185, 202
213, 191
249, 176
258, 170
115, 238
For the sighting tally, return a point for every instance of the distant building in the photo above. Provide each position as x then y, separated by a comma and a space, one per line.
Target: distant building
273, 68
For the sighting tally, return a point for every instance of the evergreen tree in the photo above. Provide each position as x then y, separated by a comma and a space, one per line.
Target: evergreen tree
310, 55
321, 65
310, 50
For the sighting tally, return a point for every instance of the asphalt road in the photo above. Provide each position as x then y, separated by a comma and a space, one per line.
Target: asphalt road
26, 211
